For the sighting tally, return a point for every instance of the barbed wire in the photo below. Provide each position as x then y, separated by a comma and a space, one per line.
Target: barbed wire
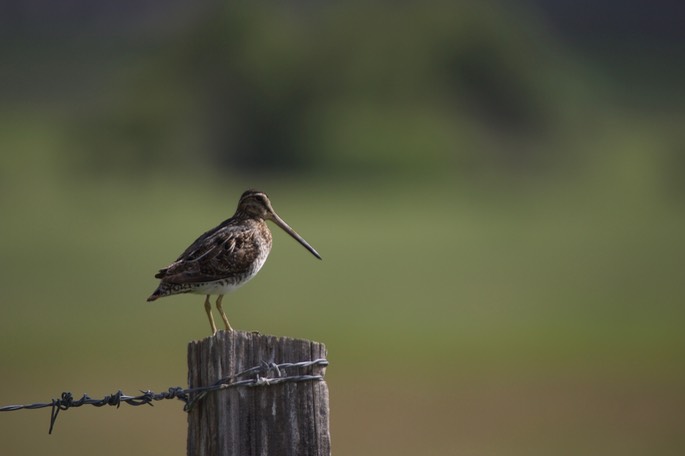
266, 374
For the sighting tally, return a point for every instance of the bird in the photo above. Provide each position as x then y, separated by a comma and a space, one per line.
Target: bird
227, 256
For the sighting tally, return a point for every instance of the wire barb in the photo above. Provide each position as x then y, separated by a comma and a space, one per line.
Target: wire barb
266, 374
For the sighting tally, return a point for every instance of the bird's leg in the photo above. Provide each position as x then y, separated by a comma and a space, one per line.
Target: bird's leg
208, 309
223, 315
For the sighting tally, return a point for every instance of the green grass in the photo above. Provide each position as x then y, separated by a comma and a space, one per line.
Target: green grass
424, 292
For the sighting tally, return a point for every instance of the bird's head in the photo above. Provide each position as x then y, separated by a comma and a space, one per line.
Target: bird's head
256, 204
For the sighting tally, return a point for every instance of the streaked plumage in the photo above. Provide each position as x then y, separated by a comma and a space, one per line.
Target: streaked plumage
226, 256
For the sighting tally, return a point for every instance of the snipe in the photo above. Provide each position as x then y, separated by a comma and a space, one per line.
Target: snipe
227, 256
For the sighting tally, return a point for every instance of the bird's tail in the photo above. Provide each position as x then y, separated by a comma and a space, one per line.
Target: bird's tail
168, 289
158, 293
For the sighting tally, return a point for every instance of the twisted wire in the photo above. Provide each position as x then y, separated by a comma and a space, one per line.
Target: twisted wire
266, 374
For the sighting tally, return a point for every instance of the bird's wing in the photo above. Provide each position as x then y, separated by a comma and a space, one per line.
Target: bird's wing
222, 252
201, 241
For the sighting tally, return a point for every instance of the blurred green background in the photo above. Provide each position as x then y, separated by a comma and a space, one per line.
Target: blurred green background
497, 190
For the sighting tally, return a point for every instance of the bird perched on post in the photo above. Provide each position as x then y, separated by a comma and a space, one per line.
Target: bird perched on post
227, 256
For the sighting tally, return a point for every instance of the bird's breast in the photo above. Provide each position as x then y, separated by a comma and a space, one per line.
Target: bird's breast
262, 241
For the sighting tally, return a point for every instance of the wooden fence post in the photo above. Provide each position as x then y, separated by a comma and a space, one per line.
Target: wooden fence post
285, 419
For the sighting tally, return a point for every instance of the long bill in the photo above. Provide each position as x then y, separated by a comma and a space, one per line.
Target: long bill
285, 227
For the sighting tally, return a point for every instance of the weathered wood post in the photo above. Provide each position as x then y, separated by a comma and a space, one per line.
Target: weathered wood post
283, 419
